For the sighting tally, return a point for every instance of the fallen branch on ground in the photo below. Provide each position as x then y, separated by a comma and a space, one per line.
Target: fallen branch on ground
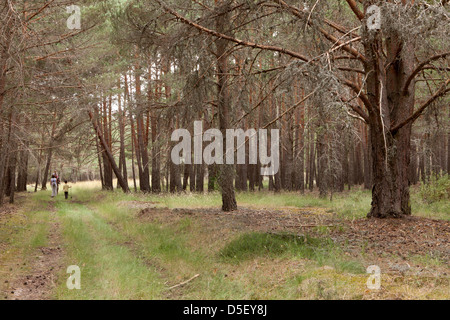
184, 282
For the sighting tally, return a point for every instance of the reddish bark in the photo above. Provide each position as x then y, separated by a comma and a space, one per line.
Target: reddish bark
105, 146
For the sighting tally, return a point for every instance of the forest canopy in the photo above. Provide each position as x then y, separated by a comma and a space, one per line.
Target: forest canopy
357, 89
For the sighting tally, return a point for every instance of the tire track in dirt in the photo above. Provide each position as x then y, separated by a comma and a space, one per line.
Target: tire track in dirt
151, 264
44, 264
92, 223
173, 289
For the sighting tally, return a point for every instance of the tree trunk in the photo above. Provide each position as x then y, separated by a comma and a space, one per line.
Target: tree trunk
312, 162
322, 163
287, 151
123, 160
299, 150
367, 160
39, 160
224, 105
47, 167
141, 152
212, 177
413, 165
49, 156
22, 177
186, 169
4, 156
100, 166
390, 105
107, 169
109, 154
156, 168
199, 178
192, 174
132, 133
12, 168
175, 177
132, 161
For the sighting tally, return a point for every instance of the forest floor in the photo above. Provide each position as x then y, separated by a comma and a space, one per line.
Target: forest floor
285, 246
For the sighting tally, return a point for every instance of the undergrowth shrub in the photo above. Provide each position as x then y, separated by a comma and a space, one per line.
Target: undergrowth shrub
436, 189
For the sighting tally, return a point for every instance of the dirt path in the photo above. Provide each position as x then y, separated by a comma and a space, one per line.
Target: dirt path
39, 283
34, 275
115, 262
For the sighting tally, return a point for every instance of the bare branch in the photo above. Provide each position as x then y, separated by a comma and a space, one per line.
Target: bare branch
421, 67
360, 94
441, 92
355, 9
296, 12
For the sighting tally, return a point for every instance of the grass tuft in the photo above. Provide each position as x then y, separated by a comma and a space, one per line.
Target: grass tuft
323, 251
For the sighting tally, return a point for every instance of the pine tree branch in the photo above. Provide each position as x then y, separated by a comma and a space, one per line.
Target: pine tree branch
230, 38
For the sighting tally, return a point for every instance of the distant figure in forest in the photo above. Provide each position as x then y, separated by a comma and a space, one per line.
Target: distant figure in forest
58, 181
66, 189
54, 184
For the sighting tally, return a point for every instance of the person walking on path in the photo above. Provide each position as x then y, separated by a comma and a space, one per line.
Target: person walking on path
54, 184
66, 189
58, 181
